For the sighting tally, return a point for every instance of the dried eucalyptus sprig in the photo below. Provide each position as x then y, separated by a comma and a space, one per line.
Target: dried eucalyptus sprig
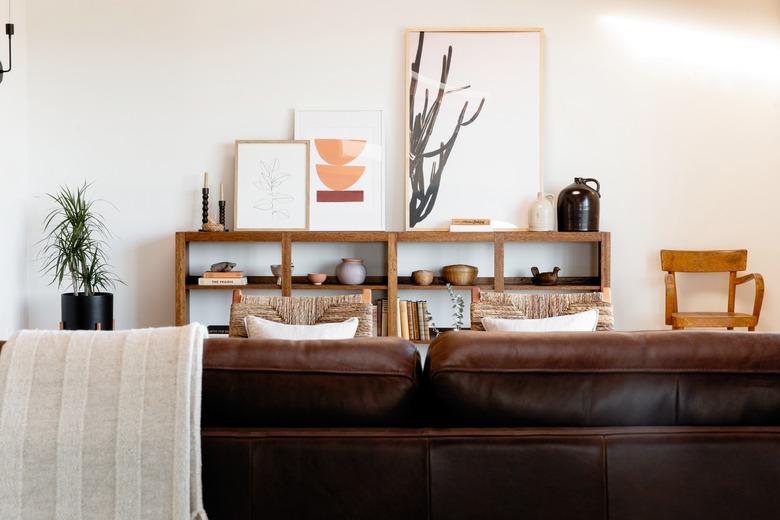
458, 304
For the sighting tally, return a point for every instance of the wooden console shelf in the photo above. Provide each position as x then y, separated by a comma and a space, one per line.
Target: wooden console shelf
390, 282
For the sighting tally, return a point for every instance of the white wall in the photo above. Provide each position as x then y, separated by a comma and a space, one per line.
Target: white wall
646, 96
13, 174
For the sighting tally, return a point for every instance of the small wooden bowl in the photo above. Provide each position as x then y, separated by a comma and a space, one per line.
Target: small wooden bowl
422, 277
317, 278
459, 274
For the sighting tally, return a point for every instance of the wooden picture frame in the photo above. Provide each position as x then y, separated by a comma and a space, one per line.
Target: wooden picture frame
468, 201
347, 185
277, 194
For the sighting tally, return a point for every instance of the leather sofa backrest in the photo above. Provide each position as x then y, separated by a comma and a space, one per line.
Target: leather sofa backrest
604, 379
276, 383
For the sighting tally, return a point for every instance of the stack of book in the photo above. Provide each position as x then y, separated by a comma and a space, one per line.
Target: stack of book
474, 225
222, 278
412, 321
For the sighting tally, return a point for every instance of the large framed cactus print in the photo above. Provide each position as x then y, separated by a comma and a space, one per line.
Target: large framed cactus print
473, 125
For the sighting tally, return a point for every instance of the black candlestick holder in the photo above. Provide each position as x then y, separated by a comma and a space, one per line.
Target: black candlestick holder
222, 214
205, 205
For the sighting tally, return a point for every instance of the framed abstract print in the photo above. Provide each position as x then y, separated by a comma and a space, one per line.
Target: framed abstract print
346, 191
271, 185
473, 123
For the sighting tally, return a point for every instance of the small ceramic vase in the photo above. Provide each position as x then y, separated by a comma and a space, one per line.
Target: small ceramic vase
351, 271
541, 215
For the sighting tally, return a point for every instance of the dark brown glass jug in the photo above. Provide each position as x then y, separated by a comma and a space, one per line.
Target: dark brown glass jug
578, 206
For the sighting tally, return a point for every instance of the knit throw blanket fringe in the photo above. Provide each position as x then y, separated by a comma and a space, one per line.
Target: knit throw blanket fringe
101, 425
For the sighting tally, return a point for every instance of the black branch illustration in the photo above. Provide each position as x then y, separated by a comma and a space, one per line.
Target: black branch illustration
421, 127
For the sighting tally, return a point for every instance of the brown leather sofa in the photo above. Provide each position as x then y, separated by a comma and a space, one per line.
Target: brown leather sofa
633, 426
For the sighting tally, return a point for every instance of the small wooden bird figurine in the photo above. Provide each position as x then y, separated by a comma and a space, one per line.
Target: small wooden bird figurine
550, 278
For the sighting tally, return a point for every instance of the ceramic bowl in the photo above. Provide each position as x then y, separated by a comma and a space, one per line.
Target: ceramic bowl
459, 274
422, 277
317, 278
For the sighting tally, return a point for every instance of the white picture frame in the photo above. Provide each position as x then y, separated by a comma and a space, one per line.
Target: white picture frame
492, 166
271, 185
346, 168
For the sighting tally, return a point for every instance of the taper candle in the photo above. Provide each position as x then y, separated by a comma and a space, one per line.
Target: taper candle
205, 179
221, 191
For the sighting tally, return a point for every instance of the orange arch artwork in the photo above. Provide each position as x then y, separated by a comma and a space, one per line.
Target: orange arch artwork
339, 173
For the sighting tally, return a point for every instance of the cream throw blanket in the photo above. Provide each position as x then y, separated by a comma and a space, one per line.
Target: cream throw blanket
101, 425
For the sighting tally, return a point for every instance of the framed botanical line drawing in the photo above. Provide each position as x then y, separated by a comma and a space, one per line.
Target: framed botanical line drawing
271, 185
346, 174
473, 125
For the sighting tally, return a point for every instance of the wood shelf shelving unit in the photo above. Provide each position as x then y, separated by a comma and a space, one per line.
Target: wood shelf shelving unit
390, 282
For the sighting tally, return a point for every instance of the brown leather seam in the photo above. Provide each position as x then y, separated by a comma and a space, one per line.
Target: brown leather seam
605, 476
676, 400
309, 372
428, 472
255, 435
604, 371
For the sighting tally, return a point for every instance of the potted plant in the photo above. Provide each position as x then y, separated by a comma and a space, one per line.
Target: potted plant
74, 254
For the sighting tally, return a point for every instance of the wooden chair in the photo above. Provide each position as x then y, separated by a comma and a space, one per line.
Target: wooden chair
710, 262
302, 310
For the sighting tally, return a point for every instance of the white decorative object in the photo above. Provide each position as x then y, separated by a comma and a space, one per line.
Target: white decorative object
271, 185
473, 125
541, 215
580, 322
347, 187
266, 329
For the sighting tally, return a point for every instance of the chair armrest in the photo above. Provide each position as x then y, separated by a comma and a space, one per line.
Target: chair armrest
671, 297
759, 281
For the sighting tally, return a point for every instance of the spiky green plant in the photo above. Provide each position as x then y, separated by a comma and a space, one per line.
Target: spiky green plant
74, 248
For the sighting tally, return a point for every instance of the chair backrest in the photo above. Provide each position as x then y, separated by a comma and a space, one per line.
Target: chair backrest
534, 306
302, 311
703, 261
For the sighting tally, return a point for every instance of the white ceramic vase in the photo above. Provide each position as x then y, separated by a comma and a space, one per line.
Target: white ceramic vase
541, 215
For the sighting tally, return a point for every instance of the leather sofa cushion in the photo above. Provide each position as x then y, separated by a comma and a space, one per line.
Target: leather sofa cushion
279, 383
605, 379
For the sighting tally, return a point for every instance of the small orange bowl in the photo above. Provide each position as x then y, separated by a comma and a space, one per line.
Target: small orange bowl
317, 278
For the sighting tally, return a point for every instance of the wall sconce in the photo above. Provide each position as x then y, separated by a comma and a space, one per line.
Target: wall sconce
9, 30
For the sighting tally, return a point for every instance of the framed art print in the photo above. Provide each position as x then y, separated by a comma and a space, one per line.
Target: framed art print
346, 168
473, 125
271, 185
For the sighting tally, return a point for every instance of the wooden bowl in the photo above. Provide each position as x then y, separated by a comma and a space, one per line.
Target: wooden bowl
422, 277
317, 278
459, 274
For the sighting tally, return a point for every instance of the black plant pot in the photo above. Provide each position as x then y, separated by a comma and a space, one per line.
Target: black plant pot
82, 312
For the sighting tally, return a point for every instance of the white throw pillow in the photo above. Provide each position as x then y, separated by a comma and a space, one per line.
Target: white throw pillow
580, 322
266, 329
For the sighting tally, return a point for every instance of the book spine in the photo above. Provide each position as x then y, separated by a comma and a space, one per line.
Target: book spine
470, 222
412, 320
222, 281
426, 323
421, 320
375, 320
229, 274
384, 317
404, 319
